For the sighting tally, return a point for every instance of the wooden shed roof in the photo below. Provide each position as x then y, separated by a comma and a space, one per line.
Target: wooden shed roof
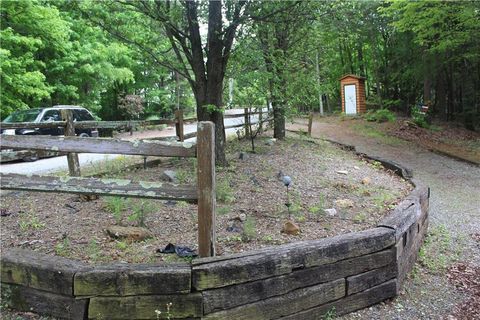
352, 76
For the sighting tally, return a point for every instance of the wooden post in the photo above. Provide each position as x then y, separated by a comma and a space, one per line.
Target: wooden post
247, 122
310, 123
206, 188
260, 119
179, 125
72, 158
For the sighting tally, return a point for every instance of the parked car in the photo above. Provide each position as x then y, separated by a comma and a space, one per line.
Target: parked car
42, 115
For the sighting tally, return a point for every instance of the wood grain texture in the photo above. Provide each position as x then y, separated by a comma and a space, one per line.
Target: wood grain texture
100, 145
143, 307
46, 303
106, 187
133, 279
235, 295
279, 306
72, 158
39, 271
279, 260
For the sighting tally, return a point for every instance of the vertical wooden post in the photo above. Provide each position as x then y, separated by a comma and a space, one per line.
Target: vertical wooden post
206, 188
179, 125
72, 158
247, 122
310, 123
260, 119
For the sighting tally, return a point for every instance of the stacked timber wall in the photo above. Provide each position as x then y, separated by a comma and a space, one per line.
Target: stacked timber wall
302, 280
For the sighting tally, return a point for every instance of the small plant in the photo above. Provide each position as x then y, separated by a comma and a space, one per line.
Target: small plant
330, 314
63, 248
140, 212
121, 245
436, 252
381, 115
419, 118
116, 205
249, 229
93, 250
224, 191
30, 221
223, 210
168, 314
360, 218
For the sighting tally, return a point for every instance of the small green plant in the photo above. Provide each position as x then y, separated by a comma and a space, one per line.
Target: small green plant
30, 221
381, 115
168, 313
249, 229
360, 218
437, 251
116, 205
223, 210
140, 212
93, 250
330, 314
419, 118
183, 175
63, 248
121, 245
224, 191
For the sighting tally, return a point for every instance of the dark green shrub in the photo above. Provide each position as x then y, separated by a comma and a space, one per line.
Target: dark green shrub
381, 115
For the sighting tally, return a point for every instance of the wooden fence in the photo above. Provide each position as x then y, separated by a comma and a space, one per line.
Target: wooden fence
309, 124
203, 193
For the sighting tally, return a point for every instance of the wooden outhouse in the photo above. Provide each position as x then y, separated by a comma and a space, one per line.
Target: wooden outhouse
353, 94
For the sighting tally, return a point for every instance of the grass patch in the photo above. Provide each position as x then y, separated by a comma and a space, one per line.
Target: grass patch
437, 252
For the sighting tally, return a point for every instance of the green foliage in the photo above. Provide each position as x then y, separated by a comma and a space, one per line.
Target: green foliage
381, 115
63, 248
249, 229
224, 191
30, 221
438, 250
419, 118
116, 205
140, 212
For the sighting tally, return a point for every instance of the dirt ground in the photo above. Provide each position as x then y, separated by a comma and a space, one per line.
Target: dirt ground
444, 283
251, 208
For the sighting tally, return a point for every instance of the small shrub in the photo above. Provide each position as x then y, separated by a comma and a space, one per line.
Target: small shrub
381, 115
224, 191
30, 221
140, 212
116, 205
249, 229
63, 248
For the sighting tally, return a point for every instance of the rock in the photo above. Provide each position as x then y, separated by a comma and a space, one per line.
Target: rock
331, 212
271, 142
243, 156
344, 203
169, 175
291, 228
170, 203
236, 225
129, 233
342, 172
88, 197
242, 217
356, 168
366, 181
280, 175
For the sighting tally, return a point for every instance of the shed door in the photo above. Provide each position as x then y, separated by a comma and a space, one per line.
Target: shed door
350, 99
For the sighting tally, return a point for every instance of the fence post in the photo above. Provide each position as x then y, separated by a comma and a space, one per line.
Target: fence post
206, 188
310, 123
72, 158
247, 122
179, 125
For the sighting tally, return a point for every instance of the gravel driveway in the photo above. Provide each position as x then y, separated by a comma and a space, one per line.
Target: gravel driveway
454, 209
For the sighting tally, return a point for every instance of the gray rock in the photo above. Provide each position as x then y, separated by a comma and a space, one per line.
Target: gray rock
331, 212
345, 172
170, 176
271, 142
242, 217
243, 156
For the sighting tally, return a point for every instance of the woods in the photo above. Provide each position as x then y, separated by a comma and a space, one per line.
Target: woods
145, 59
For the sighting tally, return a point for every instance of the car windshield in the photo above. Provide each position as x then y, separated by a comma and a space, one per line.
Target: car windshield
23, 116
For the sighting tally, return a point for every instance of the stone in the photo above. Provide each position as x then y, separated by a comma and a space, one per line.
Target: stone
356, 168
236, 225
243, 156
170, 176
345, 172
88, 197
331, 212
291, 228
271, 142
366, 181
242, 217
344, 203
129, 233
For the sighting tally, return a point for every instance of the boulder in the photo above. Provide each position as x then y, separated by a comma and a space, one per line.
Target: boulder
291, 228
170, 176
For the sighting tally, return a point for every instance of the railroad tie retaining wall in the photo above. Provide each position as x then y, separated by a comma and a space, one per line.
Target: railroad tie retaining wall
301, 280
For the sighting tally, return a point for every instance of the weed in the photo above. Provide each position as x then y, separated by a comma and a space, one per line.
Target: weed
224, 191
360, 218
183, 175
223, 210
116, 205
436, 253
121, 245
63, 248
30, 221
315, 209
140, 212
381, 115
330, 314
93, 250
249, 229
168, 314
383, 199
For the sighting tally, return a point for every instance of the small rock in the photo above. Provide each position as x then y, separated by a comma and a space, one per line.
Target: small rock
280, 175
87, 197
129, 233
171, 203
270, 142
243, 156
236, 225
169, 175
344, 203
356, 168
331, 212
291, 227
242, 217
366, 181
342, 172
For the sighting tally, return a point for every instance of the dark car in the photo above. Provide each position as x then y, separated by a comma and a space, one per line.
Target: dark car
42, 115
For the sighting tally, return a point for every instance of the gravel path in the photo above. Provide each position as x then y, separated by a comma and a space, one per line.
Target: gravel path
454, 209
